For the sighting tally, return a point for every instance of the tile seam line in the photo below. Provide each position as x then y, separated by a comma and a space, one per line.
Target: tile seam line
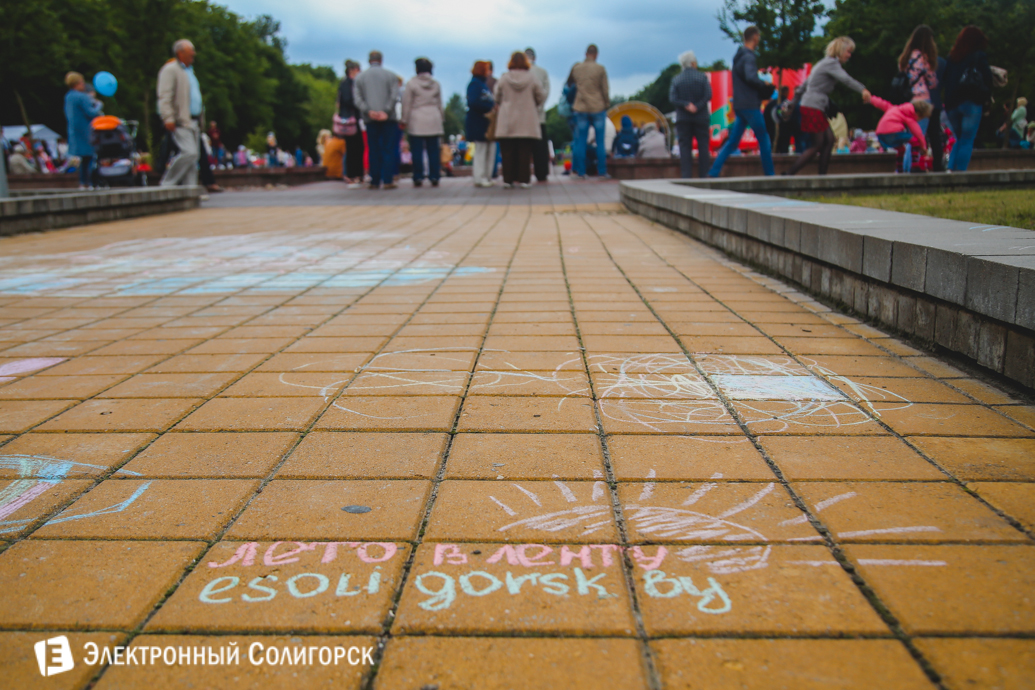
867, 591
391, 615
139, 629
64, 505
952, 478
650, 664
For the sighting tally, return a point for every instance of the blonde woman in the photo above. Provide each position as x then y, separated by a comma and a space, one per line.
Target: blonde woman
816, 99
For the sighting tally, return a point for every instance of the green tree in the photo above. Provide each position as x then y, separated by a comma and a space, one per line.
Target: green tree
557, 129
787, 27
455, 113
656, 92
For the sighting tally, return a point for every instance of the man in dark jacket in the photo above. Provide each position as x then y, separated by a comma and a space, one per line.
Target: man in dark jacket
690, 92
347, 109
748, 93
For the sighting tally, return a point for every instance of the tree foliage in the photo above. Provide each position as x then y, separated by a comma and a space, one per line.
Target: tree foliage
787, 27
245, 77
455, 111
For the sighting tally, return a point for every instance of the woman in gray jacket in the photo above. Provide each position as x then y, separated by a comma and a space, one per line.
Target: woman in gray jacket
422, 117
816, 98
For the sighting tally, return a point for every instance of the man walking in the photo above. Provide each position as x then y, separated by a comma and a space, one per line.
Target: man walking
376, 93
541, 148
180, 107
690, 92
590, 106
748, 92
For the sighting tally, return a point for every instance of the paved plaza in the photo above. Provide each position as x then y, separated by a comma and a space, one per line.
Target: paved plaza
503, 439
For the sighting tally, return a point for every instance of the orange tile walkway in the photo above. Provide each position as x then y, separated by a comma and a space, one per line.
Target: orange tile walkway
505, 446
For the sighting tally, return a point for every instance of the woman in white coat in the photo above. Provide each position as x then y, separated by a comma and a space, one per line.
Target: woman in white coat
422, 117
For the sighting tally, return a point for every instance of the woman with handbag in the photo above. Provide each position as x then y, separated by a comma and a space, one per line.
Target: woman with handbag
518, 97
816, 105
346, 126
968, 86
480, 106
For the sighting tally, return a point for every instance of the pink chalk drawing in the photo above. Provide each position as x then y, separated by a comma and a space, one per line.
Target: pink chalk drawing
36, 474
10, 370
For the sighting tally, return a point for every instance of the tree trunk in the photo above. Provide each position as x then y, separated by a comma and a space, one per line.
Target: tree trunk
28, 131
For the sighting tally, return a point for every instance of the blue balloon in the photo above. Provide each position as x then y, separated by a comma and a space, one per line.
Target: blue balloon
105, 83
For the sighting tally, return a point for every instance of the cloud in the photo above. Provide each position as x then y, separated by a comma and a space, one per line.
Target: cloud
636, 41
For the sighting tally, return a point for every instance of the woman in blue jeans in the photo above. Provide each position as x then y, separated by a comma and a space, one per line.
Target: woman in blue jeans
968, 84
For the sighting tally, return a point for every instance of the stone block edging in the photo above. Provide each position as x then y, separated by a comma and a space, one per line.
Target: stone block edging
967, 288
22, 214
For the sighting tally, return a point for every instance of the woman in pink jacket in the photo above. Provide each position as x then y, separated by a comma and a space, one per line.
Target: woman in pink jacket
899, 127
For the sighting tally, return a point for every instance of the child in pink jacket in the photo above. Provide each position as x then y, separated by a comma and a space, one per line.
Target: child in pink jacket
900, 127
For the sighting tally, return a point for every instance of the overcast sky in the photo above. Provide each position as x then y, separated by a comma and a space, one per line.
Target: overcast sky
636, 41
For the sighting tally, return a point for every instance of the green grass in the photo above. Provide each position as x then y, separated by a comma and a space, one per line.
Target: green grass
1013, 207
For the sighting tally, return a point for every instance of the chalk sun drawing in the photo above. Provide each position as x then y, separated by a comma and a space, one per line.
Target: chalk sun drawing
36, 474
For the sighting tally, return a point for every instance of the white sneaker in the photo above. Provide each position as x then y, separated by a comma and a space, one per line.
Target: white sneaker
483, 184
526, 185
508, 185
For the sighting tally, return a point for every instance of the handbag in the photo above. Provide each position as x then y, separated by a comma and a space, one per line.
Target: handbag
490, 133
344, 127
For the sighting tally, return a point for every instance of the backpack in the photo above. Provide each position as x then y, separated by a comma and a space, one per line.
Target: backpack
567, 99
972, 85
901, 89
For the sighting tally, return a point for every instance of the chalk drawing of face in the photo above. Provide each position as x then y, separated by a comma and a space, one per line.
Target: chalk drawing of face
35, 475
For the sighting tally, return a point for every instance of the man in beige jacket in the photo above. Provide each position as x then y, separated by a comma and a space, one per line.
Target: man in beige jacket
180, 107
591, 102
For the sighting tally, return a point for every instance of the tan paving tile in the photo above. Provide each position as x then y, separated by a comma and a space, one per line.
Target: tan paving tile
280, 676
57, 387
103, 366
848, 458
730, 345
703, 664
181, 364
28, 500
506, 663
343, 455
1016, 499
384, 413
948, 420
715, 512
1022, 413
170, 386
212, 455
496, 413
688, 417
409, 383
904, 512
147, 347
806, 418
43, 348
21, 668
254, 414
334, 345
899, 390
975, 459
851, 365
492, 360
75, 585
981, 662
287, 587
766, 589
312, 509
288, 384
686, 458
831, 346
530, 511
465, 588
69, 454
424, 360
348, 362
234, 346
152, 414
152, 509
19, 416
525, 456
530, 383
690, 386
991, 588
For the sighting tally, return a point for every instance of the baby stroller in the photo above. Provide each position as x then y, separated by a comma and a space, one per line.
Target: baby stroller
118, 163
